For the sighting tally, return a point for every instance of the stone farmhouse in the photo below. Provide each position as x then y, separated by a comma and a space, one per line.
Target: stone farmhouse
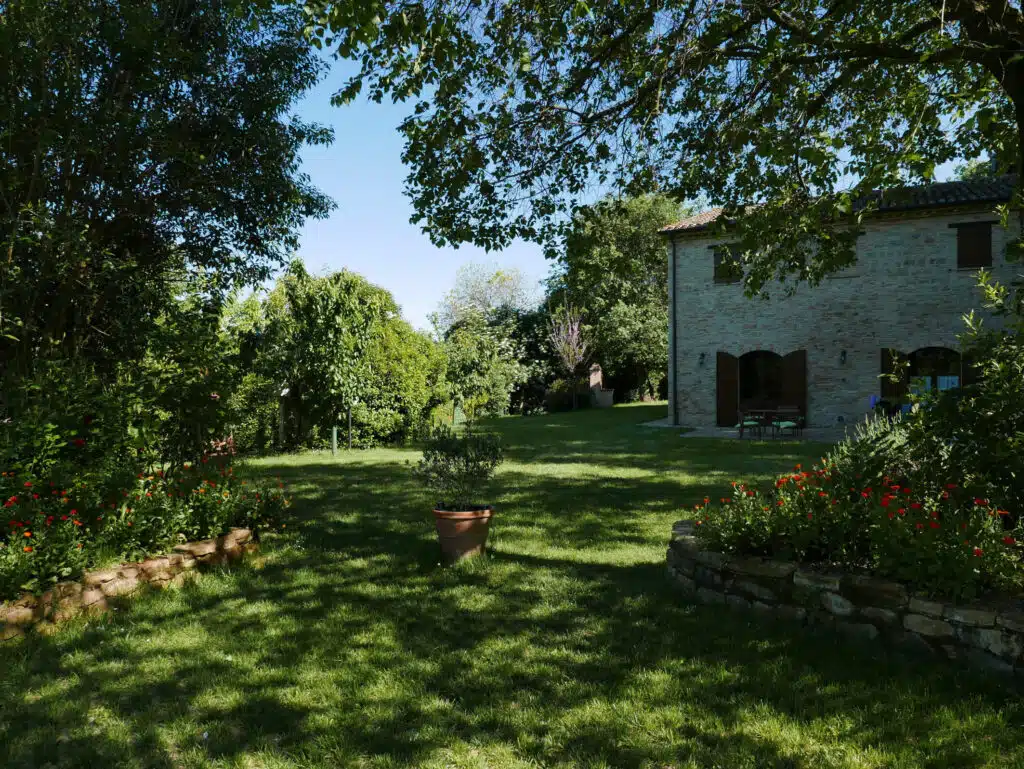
823, 348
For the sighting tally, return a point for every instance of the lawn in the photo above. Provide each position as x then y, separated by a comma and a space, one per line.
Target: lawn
346, 644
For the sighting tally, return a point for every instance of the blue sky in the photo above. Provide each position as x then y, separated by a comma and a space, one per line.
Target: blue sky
369, 232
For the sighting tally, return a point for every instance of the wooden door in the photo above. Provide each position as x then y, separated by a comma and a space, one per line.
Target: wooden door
794, 381
727, 377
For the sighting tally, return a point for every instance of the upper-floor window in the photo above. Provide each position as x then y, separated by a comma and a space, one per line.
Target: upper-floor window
728, 267
973, 244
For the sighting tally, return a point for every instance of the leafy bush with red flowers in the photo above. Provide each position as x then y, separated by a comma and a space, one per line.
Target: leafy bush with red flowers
53, 532
867, 505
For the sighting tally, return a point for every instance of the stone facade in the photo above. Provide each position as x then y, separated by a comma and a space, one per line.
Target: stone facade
90, 595
856, 605
904, 293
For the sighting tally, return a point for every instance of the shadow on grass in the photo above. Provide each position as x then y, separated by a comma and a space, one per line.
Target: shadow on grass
349, 646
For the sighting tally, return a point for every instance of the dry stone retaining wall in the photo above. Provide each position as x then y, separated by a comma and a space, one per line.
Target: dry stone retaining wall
856, 605
92, 593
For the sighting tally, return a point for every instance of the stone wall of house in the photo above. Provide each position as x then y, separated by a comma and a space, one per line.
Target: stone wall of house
859, 606
904, 293
92, 593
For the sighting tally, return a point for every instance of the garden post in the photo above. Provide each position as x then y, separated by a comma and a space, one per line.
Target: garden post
334, 440
350, 426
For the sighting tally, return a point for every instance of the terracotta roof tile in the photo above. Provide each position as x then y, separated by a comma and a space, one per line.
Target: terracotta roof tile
938, 195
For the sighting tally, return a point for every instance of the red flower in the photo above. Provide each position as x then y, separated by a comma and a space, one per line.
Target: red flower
895, 488
35, 496
919, 526
934, 513
891, 516
835, 501
79, 442
934, 524
822, 493
906, 491
1003, 512
750, 493
950, 485
779, 503
865, 494
1009, 541
978, 552
981, 501
809, 516
884, 501
945, 495
63, 517
902, 511
28, 484
915, 505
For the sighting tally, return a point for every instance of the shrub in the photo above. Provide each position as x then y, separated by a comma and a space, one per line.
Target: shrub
875, 502
457, 468
55, 531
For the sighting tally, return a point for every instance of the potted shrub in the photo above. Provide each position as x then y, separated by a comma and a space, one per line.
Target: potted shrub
457, 469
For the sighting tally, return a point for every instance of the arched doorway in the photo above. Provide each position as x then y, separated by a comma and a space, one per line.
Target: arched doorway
927, 368
935, 368
759, 379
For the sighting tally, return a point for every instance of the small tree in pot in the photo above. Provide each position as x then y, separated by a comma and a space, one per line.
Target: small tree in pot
457, 469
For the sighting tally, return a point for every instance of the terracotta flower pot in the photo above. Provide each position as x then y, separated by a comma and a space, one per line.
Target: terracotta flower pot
463, 533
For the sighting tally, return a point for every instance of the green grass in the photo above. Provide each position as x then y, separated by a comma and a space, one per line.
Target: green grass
347, 645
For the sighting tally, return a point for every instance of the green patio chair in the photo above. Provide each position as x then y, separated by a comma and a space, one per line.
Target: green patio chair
750, 423
788, 419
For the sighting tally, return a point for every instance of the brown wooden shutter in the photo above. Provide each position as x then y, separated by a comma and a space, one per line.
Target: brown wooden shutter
727, 386
894, 392
794, 381
727, 264
974, 245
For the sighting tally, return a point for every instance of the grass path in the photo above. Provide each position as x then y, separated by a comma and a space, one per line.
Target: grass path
346, 645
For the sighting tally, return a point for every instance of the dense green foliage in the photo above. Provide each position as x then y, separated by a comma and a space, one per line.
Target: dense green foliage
148, 168
457, 468
484, 365
333, 342
518, 109
118, 173
613, 265
57, 529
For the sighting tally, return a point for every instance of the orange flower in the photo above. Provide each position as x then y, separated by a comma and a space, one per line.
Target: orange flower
28, 533
27, 549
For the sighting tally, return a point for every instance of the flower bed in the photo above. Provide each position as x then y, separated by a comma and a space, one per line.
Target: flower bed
985, 635
940, 537
55, 531
91, 594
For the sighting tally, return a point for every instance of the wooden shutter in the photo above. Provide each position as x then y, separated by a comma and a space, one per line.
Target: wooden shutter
894, 392
794, 381
727, 376
727, 263
974, 245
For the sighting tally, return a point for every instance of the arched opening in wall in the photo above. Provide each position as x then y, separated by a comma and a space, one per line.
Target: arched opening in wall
926, 369
760, 379
935, 368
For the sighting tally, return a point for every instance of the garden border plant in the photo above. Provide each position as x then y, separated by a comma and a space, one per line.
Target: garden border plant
55, 532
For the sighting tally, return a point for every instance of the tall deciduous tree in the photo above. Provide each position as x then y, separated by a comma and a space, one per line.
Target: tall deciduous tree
519, 107
137, 141
614, 266
484, 289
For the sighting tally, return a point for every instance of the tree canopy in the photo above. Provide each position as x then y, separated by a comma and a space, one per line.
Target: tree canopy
799, 106
613, 266
138, 142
